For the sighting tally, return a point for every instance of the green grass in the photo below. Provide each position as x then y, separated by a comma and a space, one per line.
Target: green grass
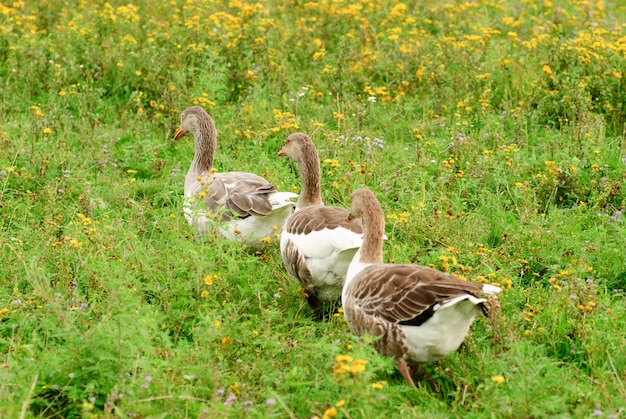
502, 160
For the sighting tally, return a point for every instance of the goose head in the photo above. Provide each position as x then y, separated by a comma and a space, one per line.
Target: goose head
299, 147
197, 121
363, 201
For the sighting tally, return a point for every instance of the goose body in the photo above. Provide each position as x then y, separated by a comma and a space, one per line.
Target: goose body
241, 206
318, 242
420, 313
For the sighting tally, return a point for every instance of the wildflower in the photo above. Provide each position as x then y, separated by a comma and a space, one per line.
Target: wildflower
230, 400
319, 55
343, 358
377, 385
330, 413
498, 379
146, 381
217, 324
208, 280
547, 69
340, 403
47, 130
3, 311
270, 402
358, 366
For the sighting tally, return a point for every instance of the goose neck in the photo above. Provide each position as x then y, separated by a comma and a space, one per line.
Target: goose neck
309, 167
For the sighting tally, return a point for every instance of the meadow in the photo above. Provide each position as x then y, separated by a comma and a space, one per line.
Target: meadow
491, 131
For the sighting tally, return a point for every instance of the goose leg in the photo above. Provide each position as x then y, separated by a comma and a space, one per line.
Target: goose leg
404, 370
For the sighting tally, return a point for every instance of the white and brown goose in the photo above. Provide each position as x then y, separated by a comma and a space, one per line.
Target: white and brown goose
420, 313
318, 242
245, 207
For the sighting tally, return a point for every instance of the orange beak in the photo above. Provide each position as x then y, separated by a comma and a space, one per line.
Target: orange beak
179, 133
283, 152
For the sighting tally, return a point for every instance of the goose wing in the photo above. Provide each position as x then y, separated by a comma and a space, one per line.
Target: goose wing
407, 294
239, 194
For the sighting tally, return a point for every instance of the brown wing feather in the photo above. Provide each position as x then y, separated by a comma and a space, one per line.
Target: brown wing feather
402, 292
296, 266
309, 219
240, 194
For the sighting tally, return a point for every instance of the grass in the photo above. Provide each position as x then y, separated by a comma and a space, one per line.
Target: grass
491, 132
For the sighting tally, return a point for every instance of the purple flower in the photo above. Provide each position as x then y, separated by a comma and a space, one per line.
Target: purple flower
247, 404
230, 400
597, 412
146, 381
270, 402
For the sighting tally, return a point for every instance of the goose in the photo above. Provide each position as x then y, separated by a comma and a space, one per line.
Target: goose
420, 313
244, 207
318, 242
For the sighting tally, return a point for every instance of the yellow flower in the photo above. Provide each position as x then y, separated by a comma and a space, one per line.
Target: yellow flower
319, 55
377, 385
358, 366
47, 130
217, 324
340, 403
330, 413
498, 379
138, 73
547, 69
344, 358
204, 294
